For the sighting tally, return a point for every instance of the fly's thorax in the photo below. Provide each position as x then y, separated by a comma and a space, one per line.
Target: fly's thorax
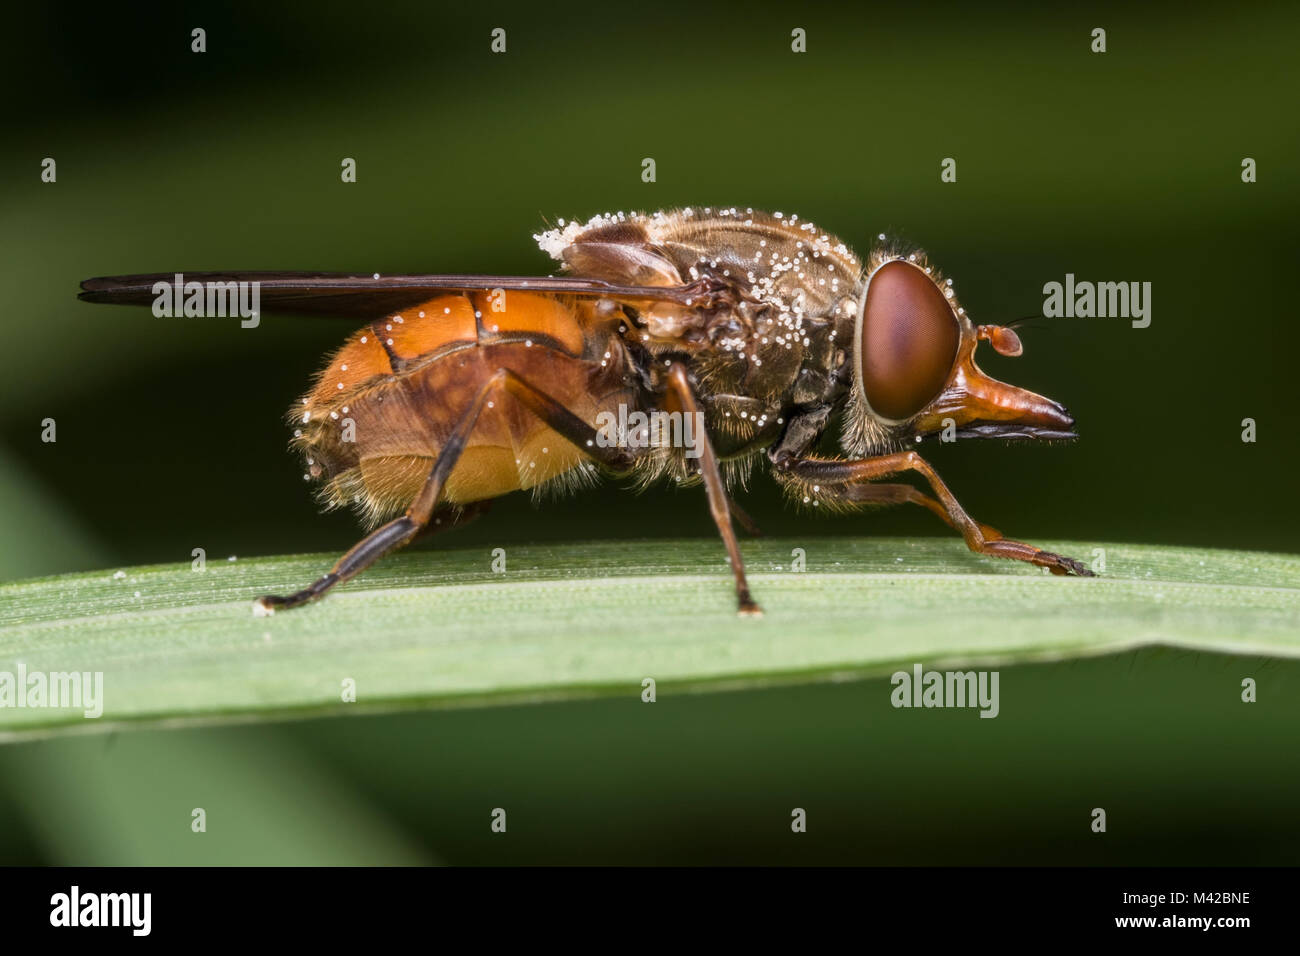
772, 258
776, 333
781, 260
792, 292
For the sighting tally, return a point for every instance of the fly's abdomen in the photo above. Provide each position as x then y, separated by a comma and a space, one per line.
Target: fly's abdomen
382, 410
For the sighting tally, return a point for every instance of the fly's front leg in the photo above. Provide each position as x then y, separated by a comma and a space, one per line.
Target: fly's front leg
890, 494
719, 504
837, 479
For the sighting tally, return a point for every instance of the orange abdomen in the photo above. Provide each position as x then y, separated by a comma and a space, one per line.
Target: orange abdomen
379, 414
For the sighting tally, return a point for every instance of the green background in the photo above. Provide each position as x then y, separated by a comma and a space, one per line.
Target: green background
1121, 166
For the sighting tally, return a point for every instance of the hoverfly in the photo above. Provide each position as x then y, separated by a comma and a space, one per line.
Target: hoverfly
764, 327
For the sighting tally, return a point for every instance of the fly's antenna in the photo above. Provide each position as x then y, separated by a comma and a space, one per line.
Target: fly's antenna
1023, 321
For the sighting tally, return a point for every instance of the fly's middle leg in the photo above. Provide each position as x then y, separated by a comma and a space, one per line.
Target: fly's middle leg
720, 505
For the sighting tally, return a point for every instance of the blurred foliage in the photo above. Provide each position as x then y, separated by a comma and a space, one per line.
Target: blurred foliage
1159, 738
1120, 166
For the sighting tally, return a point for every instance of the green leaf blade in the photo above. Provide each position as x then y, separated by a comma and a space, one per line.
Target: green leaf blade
439, 628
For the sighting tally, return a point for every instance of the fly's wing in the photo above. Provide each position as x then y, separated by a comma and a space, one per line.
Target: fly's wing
365, 296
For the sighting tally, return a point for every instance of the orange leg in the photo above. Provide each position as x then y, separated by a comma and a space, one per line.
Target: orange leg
720, 505
843, 478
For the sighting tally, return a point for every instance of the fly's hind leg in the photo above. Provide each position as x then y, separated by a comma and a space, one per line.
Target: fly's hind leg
847, 480
399, 531
415, 521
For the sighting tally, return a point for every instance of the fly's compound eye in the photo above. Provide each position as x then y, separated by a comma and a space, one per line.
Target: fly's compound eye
907, 341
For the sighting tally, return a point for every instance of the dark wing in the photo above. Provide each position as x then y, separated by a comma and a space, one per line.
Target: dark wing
365, 296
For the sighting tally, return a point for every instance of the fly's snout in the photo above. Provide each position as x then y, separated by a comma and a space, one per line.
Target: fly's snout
998, 410
983, 407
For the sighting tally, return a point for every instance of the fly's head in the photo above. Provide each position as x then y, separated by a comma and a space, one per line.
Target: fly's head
914, 370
